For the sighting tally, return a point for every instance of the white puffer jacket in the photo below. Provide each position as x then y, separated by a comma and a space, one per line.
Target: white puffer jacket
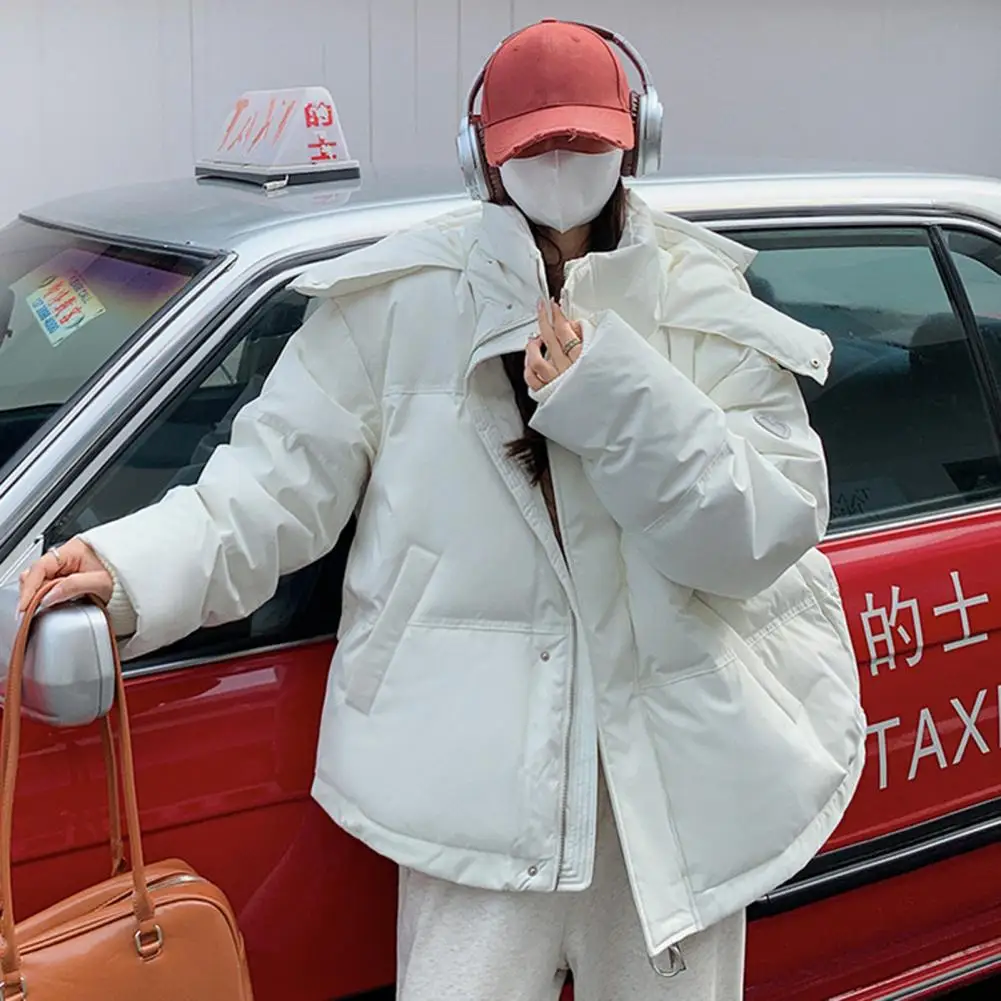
692, 632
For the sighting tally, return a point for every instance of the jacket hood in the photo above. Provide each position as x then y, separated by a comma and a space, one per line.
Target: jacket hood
666, 271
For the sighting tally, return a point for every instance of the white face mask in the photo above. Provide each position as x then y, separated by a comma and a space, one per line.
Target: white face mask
561, 189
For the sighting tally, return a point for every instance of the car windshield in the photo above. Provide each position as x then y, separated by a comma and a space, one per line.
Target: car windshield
68, 303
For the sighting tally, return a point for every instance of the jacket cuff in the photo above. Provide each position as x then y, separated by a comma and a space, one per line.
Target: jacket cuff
619, 364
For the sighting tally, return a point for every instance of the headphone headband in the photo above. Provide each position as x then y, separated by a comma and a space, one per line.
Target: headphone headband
482, 180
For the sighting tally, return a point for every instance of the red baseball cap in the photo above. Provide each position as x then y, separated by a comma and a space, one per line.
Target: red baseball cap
550, 79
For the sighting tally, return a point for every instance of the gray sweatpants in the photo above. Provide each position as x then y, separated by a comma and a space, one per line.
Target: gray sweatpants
462, 944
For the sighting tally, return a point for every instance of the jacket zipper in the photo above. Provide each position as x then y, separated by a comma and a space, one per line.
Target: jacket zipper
565, 804
567, 740
571, 687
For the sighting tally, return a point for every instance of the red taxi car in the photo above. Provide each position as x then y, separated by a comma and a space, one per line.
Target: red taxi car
181, 304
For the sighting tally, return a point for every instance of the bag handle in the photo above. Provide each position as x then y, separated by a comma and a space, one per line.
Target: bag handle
114, 805
148, 936
115, 840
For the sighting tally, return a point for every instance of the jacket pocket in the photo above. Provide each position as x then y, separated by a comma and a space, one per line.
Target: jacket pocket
799, 662
745, 780
373, 660
740, 650
817, 574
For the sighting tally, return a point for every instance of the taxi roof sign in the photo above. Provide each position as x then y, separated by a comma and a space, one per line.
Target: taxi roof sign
281, 137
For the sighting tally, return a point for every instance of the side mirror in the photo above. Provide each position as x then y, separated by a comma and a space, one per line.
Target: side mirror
69, 672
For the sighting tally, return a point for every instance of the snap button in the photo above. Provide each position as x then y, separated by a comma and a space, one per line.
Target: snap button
544, 655
533, 870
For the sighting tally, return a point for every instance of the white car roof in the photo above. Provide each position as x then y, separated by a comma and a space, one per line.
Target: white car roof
224, 216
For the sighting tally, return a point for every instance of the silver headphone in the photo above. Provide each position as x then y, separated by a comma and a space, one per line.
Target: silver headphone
483, 181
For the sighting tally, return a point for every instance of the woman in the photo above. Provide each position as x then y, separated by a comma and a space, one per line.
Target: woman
587, 648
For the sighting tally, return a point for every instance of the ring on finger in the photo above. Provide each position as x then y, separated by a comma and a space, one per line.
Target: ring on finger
568, 346
58, 557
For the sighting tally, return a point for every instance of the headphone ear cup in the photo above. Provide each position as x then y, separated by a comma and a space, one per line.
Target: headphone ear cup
649, 133
472, 161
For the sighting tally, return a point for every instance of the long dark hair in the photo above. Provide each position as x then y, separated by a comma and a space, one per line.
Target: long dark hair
605, 236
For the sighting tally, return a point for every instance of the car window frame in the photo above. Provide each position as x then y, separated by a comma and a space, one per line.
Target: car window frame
934, 224
218, 343
203, 350
73, 451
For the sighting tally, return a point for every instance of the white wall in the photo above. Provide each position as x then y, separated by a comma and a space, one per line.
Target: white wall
95, 93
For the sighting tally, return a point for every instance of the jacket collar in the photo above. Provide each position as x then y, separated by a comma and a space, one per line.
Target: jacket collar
504, 271
507, 279
438, 243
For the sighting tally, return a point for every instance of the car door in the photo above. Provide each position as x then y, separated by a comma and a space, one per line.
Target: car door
909, 420
224, 722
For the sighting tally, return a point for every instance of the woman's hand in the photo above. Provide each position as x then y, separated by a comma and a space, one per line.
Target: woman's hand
562, 340
79, 572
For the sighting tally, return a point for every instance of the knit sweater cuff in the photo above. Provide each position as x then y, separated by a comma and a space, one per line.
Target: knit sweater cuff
121, 612
123, 616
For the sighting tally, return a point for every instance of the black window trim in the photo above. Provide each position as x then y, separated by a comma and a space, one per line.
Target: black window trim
960, 301
886, 856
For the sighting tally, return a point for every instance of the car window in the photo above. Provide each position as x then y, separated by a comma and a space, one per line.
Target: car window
67, 304
978, 261
172, 450
902, 416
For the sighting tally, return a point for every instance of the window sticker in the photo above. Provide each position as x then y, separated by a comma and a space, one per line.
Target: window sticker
62, 304
860, 497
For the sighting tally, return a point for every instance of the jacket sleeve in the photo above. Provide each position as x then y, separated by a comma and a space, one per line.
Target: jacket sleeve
272, 500
722, 479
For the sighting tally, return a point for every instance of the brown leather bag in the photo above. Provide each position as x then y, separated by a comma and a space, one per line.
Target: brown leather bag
155, 933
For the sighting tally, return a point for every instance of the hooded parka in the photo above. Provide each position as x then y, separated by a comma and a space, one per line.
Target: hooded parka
687, 635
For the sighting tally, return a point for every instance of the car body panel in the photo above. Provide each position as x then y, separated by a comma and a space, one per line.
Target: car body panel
924, 761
